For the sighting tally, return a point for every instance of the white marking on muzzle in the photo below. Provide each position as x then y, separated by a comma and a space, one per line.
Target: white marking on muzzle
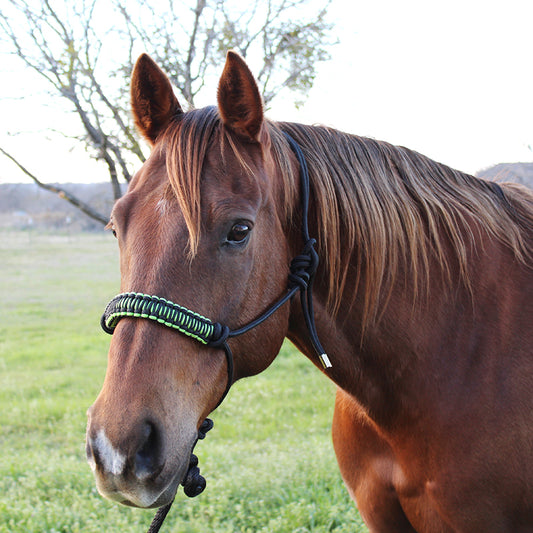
112, 460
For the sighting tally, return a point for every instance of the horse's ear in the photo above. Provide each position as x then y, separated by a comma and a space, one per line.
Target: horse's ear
239, 101
152, 99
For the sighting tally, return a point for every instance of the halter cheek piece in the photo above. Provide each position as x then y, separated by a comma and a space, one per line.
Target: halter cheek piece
216, 335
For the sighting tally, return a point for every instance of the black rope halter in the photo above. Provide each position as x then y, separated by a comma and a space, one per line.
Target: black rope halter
302, 272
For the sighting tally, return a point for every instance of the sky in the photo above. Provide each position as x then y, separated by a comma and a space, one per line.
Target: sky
451, 79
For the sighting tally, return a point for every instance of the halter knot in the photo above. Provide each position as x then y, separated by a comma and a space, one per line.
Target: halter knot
207, 425
219, 336
194, 483
303, 266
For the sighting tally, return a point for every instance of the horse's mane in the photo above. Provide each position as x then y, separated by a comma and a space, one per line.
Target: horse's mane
390, 208
382, 208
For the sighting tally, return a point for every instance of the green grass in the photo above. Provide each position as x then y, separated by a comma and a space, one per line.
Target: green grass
269, 462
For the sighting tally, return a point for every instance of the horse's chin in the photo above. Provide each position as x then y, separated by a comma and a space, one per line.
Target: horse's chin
164, 498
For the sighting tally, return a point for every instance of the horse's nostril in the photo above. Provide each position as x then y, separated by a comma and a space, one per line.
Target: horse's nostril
147, 458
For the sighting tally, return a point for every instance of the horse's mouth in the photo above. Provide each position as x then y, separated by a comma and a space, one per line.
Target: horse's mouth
141, 496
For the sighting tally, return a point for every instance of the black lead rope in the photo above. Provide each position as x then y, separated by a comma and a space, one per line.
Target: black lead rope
193, 484
302, 273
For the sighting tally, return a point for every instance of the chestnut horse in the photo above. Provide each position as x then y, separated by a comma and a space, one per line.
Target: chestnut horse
423, 300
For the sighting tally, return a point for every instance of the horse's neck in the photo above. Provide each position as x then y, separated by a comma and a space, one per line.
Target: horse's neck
424, 345
383, 367
367, 362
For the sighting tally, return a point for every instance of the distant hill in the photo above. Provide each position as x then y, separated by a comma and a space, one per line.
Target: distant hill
516, 172
25, 206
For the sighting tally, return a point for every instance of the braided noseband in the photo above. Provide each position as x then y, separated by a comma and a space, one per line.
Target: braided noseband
216, 335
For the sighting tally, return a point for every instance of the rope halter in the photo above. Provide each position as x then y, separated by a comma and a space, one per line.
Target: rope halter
302, 272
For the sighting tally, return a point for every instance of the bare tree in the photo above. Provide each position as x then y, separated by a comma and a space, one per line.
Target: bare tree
84, 50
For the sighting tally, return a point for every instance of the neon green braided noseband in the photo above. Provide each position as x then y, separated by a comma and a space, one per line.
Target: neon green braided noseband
138, 305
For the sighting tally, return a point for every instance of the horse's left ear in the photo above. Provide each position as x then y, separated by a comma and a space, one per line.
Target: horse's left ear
239, 101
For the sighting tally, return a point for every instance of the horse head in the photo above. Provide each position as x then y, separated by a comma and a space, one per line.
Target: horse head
201, 225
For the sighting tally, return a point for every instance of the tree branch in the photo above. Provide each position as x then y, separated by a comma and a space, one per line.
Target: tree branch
87, 59
80, 204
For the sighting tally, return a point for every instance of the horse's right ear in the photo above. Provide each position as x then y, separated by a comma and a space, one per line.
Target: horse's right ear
239, 102
152, 99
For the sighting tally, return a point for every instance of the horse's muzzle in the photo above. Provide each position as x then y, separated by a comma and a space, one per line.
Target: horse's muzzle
134, 467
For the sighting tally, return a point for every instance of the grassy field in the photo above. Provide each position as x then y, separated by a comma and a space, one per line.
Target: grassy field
269, 462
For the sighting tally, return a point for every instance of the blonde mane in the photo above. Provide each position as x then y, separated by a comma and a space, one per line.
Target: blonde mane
380, 208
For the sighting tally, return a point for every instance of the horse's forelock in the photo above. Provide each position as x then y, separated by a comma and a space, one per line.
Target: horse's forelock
187, 142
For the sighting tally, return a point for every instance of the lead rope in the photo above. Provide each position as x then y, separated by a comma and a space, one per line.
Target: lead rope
159, 517
302, 274
193, 485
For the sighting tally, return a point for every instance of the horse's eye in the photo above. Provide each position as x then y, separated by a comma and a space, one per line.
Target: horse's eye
111, 226
238, 233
